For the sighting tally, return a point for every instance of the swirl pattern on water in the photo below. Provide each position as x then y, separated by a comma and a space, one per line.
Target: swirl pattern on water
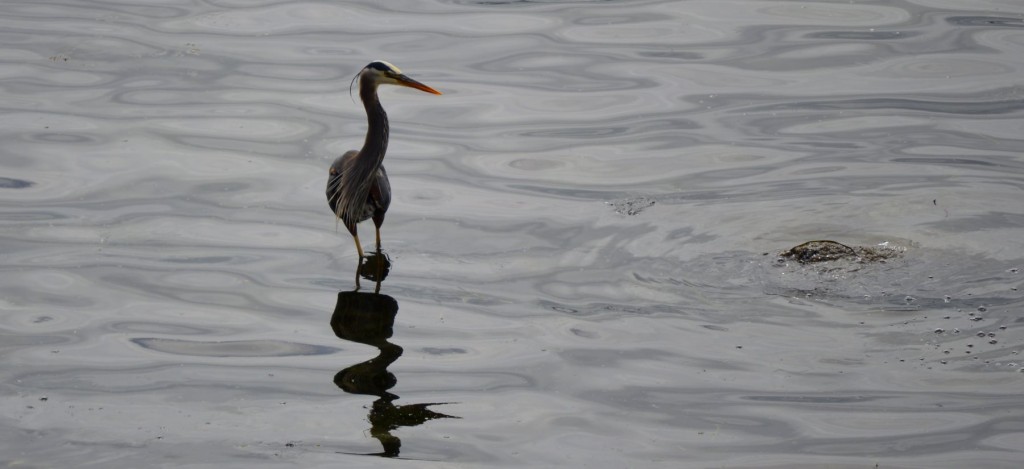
169, 264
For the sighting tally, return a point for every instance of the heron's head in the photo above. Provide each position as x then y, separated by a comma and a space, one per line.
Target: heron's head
380, 72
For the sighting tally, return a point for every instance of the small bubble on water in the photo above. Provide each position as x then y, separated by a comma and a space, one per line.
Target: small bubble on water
1002, 328
977, 318
982, 309
991, 334
956, 331
981, 334
947, 298
909, 299
993, 341
939, 330
1014, 270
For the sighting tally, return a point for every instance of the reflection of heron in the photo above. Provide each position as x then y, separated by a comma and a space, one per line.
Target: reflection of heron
369, 318
375, 269
357, 185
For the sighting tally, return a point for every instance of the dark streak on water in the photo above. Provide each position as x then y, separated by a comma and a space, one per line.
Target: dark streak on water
8, 183
584, 235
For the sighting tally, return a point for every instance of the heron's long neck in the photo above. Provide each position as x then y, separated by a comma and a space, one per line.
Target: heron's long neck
376, 143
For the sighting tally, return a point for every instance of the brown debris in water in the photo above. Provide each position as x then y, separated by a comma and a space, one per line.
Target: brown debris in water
827, 250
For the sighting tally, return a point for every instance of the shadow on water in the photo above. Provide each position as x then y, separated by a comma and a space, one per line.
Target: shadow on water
369, 318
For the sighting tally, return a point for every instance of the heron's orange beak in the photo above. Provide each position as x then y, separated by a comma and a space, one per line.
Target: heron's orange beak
406, 81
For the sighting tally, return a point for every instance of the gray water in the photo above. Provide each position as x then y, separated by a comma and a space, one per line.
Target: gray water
584, 234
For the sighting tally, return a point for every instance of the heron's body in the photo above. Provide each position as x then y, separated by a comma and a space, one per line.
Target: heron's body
377, 199
357, 184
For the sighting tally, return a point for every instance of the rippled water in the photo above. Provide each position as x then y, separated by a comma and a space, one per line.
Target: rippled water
584, 235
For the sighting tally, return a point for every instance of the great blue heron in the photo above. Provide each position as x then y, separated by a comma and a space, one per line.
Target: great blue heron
357, 185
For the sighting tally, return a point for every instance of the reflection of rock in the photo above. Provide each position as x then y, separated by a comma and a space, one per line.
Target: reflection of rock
369, 318
632, 205
826, 250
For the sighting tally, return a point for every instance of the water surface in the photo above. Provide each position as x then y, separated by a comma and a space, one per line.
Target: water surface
584, 235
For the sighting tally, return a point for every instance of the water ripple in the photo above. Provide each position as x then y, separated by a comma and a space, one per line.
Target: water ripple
169, 267
234, 348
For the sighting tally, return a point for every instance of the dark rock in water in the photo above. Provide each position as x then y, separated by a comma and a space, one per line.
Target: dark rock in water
831, 271
631, 206
827, 250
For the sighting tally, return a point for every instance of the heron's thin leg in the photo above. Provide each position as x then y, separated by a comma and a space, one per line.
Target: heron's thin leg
380, 259
359, 262
359, 247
